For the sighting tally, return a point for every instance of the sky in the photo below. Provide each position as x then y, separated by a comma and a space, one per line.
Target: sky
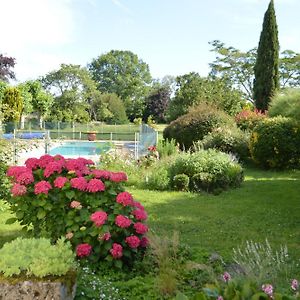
171, 36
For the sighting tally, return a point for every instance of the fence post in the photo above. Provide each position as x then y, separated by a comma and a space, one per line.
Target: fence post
111, 136
73, 130
15, 148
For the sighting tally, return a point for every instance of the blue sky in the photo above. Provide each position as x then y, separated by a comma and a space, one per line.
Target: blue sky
171, 36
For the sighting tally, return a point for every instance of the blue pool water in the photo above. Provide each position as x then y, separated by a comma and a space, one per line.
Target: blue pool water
80, 148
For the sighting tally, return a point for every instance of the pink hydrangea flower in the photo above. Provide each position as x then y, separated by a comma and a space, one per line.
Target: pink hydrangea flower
125, 199
75, 204
144, 242
60, 181
83, 250
267, 289
118, 176
138, 205
95, 185
32, 163
294, 285
105, 237
101, 174
18, 190
15, 171
42, 187
116, 251
25, 178
140, 214
99, 218
226, 277
133, 241
122, 221
79, 183
45, 160
52, 167
140, 228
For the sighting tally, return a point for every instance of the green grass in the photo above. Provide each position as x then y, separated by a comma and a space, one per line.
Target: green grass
266, 206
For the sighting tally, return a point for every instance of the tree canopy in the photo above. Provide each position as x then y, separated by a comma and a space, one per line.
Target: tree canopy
6, 65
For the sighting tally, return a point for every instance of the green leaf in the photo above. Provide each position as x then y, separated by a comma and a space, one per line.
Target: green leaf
181, 296
10, 221
19, 214
118, 264
70, 194
41, 214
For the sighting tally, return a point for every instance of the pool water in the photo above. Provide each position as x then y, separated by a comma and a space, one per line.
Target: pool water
80, 148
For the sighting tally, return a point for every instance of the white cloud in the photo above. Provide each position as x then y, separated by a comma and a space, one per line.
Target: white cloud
34, 28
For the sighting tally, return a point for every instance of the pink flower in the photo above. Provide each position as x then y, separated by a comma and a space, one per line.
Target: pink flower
101, 174
75, 204
60, 181
144, 242
69, 235
83, 250
25, 178
99, 218
95, 185
45, 160
140, 228
122, 221
138, 205
220, 298
140, 214
52, 167
32, 163
18, 190
294, 285
267, 289
15, 171
77, 165
226, 277
42, 187
118, 176
133, 241
125, 199
79, 183
105, 237
116, 251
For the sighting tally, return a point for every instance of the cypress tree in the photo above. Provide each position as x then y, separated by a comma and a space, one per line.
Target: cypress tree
266, 66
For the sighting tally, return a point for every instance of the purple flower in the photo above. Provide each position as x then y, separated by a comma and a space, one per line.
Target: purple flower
267, 289
294, 285
226, 277
220, 298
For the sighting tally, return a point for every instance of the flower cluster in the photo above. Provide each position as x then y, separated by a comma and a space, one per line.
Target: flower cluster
90, 206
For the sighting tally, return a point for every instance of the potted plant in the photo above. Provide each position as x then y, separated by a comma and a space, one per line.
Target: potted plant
91, 135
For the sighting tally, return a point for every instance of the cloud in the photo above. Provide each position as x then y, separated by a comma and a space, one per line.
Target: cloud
34, 27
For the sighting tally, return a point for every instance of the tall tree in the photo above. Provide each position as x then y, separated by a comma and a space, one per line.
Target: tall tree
6, 65
266, 69
12, 104
123, 73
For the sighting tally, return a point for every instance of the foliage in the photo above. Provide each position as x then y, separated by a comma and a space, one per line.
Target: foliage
275, 143
181, 182
228, 140
289, 69
266, 67
247, 119
166, 148
286, 104
193, 126
6, 65
87, 205
157, 103
192, 90
4, 181
234, 66
36, 257
260, 263
12, 104
122, 73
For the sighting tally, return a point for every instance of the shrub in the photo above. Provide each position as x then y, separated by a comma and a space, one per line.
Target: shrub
166, 148
247, 119
286, 104
181, 182
208, 170
275, 143
228, 140
68, 197
193, 126
36, 257
158, 177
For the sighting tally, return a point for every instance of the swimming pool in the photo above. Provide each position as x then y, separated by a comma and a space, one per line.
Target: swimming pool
80, 148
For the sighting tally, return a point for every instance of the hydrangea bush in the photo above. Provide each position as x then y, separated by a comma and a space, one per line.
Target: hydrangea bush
54, 196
